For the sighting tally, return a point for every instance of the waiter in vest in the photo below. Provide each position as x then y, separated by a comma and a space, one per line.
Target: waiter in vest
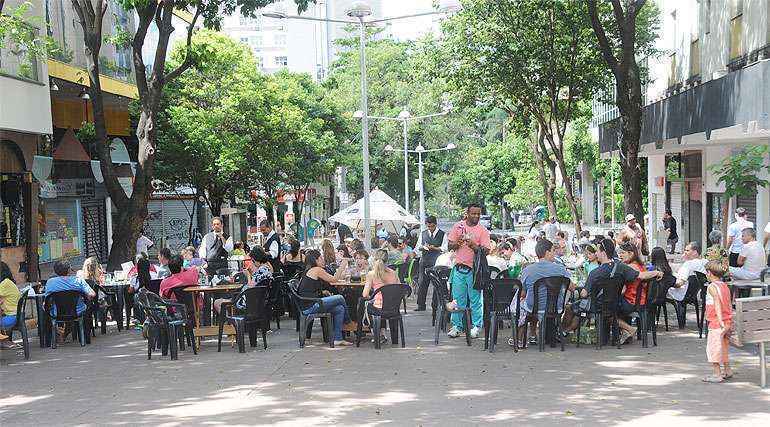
272, 244
215, 247
431, 243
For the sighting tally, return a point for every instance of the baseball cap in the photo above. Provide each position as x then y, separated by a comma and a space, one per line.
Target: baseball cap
740, 211
629, 217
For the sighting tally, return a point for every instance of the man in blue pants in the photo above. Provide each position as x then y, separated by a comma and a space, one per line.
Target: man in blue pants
465, 238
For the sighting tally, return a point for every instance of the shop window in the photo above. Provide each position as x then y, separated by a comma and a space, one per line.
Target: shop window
12, 221
694, 58
61, 234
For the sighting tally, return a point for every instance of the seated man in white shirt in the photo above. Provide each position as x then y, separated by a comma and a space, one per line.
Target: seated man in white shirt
692, 262
751, 259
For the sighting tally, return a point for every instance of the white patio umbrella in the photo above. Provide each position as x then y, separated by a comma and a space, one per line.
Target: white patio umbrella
383, 209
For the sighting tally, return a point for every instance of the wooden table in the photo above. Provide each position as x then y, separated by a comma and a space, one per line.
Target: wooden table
208, 331
353, 325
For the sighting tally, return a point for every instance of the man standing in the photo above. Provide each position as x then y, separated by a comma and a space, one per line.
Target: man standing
692, 262
465, 238
343, 232
272, 244
669, 224
431, 243
751, 260
734, 242
164, 255
215, 247
551, 228
634, 232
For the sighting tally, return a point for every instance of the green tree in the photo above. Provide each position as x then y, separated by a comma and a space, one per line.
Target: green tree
537, 55
626, 31
132, 211
18, 33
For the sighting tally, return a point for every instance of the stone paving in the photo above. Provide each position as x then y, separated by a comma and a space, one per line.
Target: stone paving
111, 382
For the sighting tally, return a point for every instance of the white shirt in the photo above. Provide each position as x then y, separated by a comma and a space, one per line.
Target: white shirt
228, 246
143, 244
501, 264
274, 247
418, 247
550, 231
687, 269
447, 259
734, 231
755, 260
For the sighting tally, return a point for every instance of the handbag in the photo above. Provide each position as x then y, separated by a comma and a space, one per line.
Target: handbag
481, 274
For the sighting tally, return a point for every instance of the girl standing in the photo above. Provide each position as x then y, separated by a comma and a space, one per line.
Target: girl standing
719, 314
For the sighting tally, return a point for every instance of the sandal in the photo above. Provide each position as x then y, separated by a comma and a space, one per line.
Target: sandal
8, 345
713, 379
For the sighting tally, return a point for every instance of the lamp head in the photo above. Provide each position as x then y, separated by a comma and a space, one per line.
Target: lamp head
276, 15
451, 146
420, 149
359, 9
358, 114
404, 115
388, 147
449, 6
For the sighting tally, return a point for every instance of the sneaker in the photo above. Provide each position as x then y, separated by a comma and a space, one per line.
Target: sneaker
624, 336
454, 332
474, 332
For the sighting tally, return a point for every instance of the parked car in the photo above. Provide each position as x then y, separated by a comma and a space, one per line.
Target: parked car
486, 221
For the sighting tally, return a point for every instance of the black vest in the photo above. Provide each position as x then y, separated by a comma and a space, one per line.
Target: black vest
216, 255
429, 257
275, 262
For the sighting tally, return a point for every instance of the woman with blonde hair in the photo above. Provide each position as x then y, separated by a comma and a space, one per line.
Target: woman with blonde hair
92, 270
380, 276
329, 256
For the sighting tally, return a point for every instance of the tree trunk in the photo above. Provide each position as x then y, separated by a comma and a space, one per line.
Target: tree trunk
571, 202
548, 182
631, 174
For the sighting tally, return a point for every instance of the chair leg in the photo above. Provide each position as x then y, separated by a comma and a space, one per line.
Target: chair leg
515, 333
54, 334
172, 333
493, 339
699, 319
643, 327
437, 324
377, 330
240, 332
468, 326
403, 331
251, 329
541, 334
221, 330
24, 339
150, 342
655, 327
665, 315
82, 338
301, 326
264, 328
329, 332
577, 331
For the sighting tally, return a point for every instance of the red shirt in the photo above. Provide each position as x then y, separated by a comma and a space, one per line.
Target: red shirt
630, 292
477, 233
182, 279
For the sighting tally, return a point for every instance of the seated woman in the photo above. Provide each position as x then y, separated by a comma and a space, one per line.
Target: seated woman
9, 299
92, 271
189, 255
380, 276
496, 257
293, 255
329, 257
362, 262
311, 285
628, 253
258, 271
140, 274
342, 252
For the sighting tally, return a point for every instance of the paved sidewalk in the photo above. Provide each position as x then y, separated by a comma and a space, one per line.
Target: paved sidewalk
111, 382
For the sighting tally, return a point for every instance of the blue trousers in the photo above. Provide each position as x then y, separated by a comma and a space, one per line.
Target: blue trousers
463, 292
335, 305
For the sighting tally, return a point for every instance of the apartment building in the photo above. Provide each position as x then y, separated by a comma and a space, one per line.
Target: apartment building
709, 97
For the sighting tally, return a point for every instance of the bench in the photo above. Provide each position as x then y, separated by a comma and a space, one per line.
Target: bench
752, 326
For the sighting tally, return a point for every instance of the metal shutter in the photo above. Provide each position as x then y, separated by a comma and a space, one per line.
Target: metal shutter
95, 229
168, 223
676, 212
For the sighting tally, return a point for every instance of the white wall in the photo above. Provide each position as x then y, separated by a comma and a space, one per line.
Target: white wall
26, 106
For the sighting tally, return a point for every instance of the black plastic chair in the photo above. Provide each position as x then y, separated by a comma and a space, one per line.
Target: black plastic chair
188, 301
695, 287
255, 315
442, 275
21, 324
66, 303
603, 309
275, 299
556, 287
392, 296
503, 293
641, 314
656, 299
99, 309
163, 321
304, 321
443, 297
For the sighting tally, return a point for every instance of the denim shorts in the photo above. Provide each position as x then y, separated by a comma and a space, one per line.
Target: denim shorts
7, 321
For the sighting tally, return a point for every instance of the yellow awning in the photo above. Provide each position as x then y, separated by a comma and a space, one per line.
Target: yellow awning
79, 76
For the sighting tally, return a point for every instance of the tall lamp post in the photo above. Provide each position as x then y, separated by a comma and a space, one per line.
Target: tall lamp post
420, 150
405, 117
360, 10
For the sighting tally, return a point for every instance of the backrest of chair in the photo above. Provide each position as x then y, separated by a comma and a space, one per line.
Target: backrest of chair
658, 289
154, 286
503, 292
256, 302
392, 295
494, 272
556, 288
702, 279
185, 298
66, 303
292, 269
21, 307
151, 305
439, 284
605, 294
694, 285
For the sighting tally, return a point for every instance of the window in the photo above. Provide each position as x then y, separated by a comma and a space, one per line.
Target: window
736, 37
244, 40
706, 16
279, 39
281, 61
672, 72
255, 41
694, 58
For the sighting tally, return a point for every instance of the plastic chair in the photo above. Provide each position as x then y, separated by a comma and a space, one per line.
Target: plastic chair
21, 324
442, 275
443, 297
163, 320
556, 288
656, 299
641, 312
305, 321
275, 299
188, 302
99, 311
392, 296
255, 315
605, 296
503, 293
66, 303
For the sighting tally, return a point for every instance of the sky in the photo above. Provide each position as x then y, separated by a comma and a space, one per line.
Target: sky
411, 28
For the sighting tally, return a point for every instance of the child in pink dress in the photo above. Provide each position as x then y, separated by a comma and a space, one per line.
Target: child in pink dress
719, 314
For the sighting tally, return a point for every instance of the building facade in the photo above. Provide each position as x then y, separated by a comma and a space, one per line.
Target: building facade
709, 98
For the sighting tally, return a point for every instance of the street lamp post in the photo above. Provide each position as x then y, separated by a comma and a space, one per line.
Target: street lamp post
420, 150
360, 10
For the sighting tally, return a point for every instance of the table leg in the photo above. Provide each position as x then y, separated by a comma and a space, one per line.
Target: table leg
762, 366
42, 320
197, 316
